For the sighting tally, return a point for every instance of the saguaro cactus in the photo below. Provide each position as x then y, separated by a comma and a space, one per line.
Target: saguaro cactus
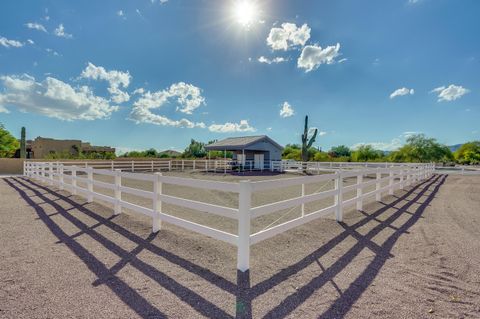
307, 142
23, 145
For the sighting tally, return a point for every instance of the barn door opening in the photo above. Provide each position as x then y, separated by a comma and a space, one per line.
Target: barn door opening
258, 161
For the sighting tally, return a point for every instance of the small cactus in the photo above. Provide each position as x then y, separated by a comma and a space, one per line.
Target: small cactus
23, 145
307, 142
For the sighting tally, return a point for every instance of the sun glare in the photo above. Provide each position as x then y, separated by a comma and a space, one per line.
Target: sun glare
245, 12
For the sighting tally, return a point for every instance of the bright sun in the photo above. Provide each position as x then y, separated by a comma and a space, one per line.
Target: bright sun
245, 12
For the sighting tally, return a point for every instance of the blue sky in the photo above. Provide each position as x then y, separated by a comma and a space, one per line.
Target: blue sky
141, 74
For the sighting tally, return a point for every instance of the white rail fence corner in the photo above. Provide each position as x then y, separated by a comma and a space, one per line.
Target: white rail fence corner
67, 176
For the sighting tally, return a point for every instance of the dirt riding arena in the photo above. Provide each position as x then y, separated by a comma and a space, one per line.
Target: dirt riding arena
415, 254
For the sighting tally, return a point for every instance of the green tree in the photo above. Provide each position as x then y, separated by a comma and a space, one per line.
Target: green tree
321, 157
365, 153
195, 149
8, 143
420, 148
307, 142
340, 150
468, 153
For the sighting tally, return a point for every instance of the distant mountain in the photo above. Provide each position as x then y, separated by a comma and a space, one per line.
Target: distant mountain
455, 147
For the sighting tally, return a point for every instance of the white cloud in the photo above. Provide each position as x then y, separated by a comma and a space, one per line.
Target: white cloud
342, 60
186, 95
35, 26
116, 79
322, 133
120, 13
10, 43
409, 133
2, 108
144, 115
383, 146
60, 32
229, 127
288, 36
313, 56
139, 91
450, 93
189, 97
401, 92
277, 59
286, 110
392, 145
52, 52
30, 41
53, 98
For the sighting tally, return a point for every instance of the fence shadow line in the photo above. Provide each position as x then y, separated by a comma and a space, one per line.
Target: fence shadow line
243, 291
284, 274
126, 293
197, 302
343, 304
200, 271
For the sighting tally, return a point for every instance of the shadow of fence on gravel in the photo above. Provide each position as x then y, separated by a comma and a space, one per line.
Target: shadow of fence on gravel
243, 291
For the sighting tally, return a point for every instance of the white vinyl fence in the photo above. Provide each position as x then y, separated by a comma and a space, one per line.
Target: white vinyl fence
225, 165
66, 176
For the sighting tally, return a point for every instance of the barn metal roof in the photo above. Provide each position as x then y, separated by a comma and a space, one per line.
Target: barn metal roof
238, 143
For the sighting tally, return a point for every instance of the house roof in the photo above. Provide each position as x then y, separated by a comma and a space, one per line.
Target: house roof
238, 143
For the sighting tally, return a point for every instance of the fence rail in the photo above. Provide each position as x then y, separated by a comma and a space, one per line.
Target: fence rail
224, 165
67, 175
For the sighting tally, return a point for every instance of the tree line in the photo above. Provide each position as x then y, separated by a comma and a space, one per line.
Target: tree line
418, 148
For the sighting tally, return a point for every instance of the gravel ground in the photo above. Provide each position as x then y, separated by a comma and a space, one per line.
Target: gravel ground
412, 255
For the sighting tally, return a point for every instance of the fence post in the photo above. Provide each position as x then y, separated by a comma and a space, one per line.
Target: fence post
402, 186
169, 165
193, 165
339, 196
390, 181
244, 204
90, 184
112, 166
118, 192
50, 172
378, 195
359, 191
303, 204
74, 180
60, 176
133, 166
157, 203
183, 165
152, 165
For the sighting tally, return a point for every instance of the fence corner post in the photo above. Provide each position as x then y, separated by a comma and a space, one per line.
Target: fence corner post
243, 246
157, 203
90, 184
339, 196
118, 192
